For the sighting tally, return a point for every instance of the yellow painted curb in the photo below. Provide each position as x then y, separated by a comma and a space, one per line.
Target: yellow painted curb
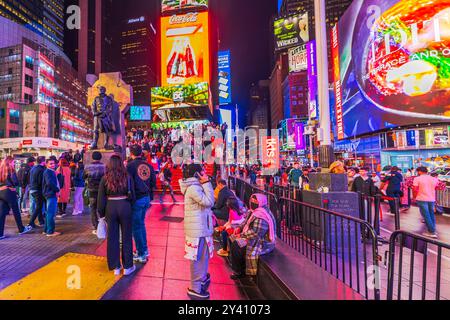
70, 277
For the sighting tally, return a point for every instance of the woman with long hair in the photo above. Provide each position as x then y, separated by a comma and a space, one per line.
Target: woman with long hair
9, 197
115, 197
64, 195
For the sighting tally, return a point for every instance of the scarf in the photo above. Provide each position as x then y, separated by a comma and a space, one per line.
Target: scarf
263, 214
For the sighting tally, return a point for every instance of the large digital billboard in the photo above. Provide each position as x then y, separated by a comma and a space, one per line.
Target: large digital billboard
185, 49
140, 113
291, 31
181, 96
224, 78
174, 5
391, 65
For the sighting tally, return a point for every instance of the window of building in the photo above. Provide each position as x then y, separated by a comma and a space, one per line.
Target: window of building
2, 113
9, 90
10, 70
28, 81
29, 63
11, 52
13, 134
2, 133
14, 116
28, 98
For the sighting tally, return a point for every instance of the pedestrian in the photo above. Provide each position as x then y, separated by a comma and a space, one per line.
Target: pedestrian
78, 184
294, 175
376, 180
166, 180
115, 197
36, 193
394, 180
144, 180
304, 179
93, 174
352, 173
24, 180
220, 208
424, 189
236, 218
9, 197
50, 190
78, 157
255, 237
63, 173
364, 184
199, 245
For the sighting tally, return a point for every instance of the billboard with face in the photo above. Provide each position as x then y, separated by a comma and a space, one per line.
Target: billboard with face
185, 49
174, 5
391, 65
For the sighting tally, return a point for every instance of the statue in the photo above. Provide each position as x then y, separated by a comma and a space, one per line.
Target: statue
103, 110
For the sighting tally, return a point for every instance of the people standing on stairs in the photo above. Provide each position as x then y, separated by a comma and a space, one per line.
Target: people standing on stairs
64, 177
9, 197
116, 195
93, 174
50, 190
36, 194
198, 226
166, 180
79, 185
144, 180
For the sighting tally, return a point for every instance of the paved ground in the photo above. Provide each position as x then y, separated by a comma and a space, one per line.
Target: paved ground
164, 277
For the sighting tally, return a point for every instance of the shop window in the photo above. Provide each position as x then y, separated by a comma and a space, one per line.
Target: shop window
28, 81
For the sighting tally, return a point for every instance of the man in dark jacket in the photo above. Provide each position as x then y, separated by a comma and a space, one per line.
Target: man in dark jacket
36, 194
220, 208
394, 180
144, 180
50, 190
93, 174
364, 184
24, 180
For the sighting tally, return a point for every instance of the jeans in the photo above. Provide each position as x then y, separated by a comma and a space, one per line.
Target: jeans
36, 208
78, 204
427, 212
199, 268
50, 213
167, 185
24, 197
93, 208
140, 208
393, 194
8, 201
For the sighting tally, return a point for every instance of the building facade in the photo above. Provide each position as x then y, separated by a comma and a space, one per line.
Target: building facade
259, 111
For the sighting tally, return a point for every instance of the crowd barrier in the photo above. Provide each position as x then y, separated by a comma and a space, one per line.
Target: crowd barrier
415, 268
347, 247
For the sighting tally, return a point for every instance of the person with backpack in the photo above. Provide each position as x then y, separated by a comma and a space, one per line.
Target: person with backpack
144, 180
24, 183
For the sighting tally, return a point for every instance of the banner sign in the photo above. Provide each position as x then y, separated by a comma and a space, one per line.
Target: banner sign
298, 59
300, 136
271, 153
337, 82
224, 78
291, 31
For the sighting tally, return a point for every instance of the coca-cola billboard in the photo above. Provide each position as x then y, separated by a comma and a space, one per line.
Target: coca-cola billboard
185, 56
176, 5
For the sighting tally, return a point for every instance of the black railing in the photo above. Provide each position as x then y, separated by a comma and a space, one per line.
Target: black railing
416, 265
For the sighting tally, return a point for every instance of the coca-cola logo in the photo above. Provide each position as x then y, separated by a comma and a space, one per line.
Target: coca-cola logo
186, 18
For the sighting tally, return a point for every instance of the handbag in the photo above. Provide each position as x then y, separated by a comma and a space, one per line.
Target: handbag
102, 229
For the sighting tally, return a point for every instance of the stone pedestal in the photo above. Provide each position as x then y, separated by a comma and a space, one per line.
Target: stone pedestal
106, 155
334, 182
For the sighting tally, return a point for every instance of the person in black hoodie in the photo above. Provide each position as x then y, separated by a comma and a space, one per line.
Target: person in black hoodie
50, 190
8, 196
24, 180
144, 180
394, 180
220, 208
36, 195
364, 184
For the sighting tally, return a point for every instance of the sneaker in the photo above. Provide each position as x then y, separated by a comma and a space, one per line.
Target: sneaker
423, 221
138, 259
117, 271
195, 295
94, 232
26, 230
206, 283
44, 233
236, 276
54, 234
430, 235
129, 271
2, 237
222, 253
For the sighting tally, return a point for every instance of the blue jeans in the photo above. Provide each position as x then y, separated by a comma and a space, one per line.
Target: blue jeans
427, 212
140, 208
50, 213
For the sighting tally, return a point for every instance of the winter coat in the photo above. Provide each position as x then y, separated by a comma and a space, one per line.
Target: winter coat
198, 201
64, 195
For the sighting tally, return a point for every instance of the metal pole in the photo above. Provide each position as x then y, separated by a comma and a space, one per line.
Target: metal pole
326, 149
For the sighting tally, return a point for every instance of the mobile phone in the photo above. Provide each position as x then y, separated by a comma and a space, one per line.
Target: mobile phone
197, 175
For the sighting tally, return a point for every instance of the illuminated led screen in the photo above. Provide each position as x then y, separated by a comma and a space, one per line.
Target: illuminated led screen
173, 5
391, 65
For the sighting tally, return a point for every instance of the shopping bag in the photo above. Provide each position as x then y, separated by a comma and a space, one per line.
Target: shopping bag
102, 229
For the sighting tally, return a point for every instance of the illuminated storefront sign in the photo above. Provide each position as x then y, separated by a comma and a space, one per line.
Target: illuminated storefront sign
173, 5
298, 59
299, 136
312, 79
46, 81
291, 31
270, 152
392, 65
224, 78
185, 49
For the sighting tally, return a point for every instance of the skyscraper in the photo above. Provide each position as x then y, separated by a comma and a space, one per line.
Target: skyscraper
45, 17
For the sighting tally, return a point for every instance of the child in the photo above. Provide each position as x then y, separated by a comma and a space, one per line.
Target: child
236, 218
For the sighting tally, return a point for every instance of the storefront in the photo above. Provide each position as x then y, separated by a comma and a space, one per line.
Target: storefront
36, 146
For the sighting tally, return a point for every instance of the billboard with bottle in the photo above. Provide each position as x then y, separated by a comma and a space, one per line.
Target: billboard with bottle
185, 54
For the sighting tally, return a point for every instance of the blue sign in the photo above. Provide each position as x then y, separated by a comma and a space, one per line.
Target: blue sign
224, 78
140, 113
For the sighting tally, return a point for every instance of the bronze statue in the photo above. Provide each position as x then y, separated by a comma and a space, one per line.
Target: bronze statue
102, 108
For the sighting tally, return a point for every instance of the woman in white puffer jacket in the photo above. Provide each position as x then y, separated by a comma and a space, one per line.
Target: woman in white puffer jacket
198, 226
